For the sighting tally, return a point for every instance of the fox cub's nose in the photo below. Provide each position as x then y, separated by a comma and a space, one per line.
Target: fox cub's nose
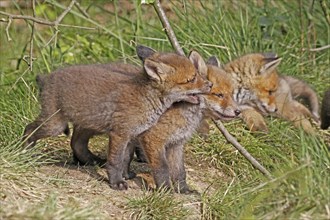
237, 112
209, 84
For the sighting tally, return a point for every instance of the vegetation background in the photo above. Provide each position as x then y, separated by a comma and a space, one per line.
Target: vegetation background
44, 182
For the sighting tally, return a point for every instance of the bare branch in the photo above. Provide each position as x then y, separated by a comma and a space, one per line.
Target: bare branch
166, 24
223, 130
319, 48
32, 36
82, 10
60, 18
39, 20
241, 149
7, 29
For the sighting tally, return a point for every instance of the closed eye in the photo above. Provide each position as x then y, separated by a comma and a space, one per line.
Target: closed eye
220, 95
192, 80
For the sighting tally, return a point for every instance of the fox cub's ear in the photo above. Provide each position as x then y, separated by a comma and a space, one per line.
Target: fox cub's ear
144, 52
270, 64
213, 61
157, 70
198, 62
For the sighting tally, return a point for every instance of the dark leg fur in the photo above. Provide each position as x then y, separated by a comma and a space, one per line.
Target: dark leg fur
115, 162
160, 170
140, 154
79, 145
175, 158
129, 155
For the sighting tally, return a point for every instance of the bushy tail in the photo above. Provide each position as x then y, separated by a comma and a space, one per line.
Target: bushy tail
41, 81
301, 90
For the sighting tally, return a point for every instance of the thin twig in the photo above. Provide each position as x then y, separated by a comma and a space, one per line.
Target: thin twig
82, 10
39, 20
7, 29
166, 24
241, 149
32, 35
223, 130
319, 48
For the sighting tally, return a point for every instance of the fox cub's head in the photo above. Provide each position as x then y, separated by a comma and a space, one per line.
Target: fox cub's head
220, 101
257, 73
176, 76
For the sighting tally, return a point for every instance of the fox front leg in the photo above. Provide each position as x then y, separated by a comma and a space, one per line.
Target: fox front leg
116, 159
254, 120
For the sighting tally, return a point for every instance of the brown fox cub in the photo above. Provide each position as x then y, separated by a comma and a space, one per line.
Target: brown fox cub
97, 101
261, 91
163, 143
256, 81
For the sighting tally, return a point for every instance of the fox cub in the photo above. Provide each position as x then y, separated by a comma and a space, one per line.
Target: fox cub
261, 91
163, 143
256, 81
98, 101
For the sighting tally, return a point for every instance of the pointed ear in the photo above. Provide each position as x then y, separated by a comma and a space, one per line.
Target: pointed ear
270, 65
144, 52
157, 70
213, 61
198, 62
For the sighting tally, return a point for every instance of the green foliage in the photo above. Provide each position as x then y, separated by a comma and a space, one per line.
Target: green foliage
227, 29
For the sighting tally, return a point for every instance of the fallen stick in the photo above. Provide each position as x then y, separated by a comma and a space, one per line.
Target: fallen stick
171, 35
241, 149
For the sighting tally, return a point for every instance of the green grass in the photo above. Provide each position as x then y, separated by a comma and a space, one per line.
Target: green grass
299, 163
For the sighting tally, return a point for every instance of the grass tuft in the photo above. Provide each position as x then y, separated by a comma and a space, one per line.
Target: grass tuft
159, 204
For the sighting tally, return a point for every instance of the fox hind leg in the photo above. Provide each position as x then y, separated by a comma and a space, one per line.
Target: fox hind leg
79, 144
175, 157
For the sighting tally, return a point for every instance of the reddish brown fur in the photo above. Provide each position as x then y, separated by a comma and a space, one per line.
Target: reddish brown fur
97, 100
163, 143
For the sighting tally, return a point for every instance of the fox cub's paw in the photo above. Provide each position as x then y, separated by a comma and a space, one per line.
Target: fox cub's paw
258, 126
120, 185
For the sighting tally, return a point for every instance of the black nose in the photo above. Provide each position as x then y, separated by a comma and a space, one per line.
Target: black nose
237, 112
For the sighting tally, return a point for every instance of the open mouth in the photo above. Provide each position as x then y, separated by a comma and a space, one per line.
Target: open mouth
193, 98
220, 116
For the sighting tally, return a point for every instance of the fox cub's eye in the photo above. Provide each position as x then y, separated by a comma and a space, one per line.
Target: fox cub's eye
270, 92
192, 80
220, 95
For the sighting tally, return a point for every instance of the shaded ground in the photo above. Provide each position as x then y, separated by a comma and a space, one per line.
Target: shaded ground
87, 185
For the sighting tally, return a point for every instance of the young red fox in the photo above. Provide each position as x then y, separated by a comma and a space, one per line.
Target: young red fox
97, 101
261, 91
163, 143
256, 81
